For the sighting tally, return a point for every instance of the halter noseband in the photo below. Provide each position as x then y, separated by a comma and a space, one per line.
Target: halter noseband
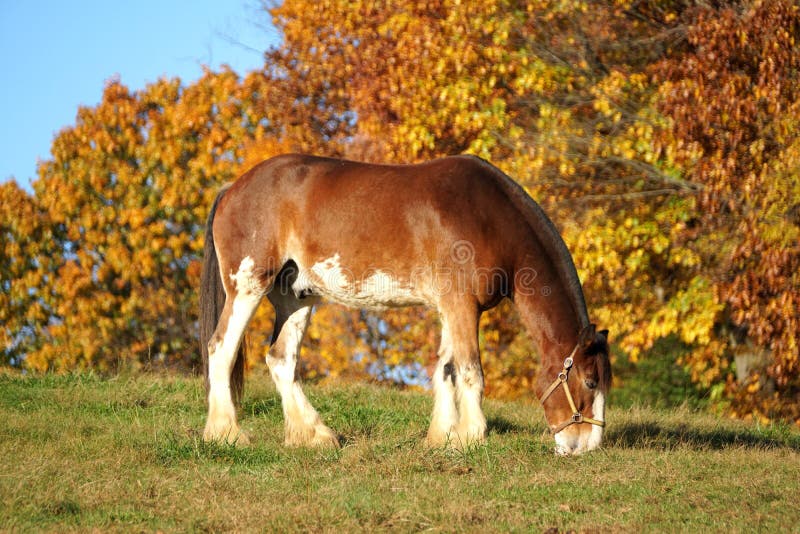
577, 416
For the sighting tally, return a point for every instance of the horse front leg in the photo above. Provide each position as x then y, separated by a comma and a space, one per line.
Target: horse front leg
445, 413
458, 381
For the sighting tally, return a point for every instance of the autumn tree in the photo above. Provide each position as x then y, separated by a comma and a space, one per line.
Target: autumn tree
659, 134
574, 100
540, 89
128, 185
29, 257
117, 216
734, 104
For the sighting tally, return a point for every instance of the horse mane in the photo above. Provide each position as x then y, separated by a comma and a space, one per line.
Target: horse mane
547, 234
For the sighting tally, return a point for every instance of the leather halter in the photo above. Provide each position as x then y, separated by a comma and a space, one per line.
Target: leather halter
577, 416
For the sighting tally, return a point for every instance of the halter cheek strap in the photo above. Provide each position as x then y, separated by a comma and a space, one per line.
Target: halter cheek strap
561, 379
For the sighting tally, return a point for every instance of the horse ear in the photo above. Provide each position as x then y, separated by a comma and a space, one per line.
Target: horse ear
602, 336
586, 337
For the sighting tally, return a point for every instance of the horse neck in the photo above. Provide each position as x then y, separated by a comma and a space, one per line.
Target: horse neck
551, 304
548, 311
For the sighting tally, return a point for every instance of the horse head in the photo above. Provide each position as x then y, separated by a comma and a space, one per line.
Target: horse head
574, 400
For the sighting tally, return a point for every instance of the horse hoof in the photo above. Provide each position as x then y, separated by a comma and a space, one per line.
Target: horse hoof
468, 437
454, 439
240, 440
325, 437
436, 439
312, 436
230, 436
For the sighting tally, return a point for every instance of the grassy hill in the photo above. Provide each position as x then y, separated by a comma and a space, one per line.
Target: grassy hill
125, 454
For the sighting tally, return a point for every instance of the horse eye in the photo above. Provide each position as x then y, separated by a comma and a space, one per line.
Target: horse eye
591, 384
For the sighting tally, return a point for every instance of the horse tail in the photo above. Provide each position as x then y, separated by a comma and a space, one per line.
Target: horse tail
212, 300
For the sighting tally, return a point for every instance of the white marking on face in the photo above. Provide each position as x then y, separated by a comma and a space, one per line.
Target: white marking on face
567, 444
598, 411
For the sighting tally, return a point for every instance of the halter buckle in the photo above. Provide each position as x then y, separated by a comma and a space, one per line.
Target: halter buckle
568, 363
577, 417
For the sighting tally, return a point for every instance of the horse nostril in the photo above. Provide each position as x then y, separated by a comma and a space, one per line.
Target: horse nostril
591, 384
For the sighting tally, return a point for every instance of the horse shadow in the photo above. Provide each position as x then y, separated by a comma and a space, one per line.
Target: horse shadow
500, 425
650, 435
627, 435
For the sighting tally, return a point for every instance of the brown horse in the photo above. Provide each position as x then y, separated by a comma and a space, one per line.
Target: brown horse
455, 234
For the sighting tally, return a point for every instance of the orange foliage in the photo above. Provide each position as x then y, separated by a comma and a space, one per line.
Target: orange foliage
661, 137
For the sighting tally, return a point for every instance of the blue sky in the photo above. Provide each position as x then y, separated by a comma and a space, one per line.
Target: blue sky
56, 55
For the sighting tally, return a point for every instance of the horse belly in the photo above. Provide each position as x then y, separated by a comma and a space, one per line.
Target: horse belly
374, 289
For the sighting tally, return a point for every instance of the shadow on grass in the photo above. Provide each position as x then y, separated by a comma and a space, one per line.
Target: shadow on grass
649, 435
501, 425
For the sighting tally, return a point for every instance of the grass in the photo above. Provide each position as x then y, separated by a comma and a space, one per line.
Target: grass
124, 454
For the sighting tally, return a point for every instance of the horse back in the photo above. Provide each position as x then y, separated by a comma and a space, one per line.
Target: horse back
361, 225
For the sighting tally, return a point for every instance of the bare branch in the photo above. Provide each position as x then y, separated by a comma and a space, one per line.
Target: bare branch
633, 195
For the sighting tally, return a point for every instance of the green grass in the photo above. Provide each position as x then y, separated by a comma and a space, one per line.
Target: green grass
84, 453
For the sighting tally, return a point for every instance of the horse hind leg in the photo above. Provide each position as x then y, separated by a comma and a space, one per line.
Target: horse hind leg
303, 425
221, 424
